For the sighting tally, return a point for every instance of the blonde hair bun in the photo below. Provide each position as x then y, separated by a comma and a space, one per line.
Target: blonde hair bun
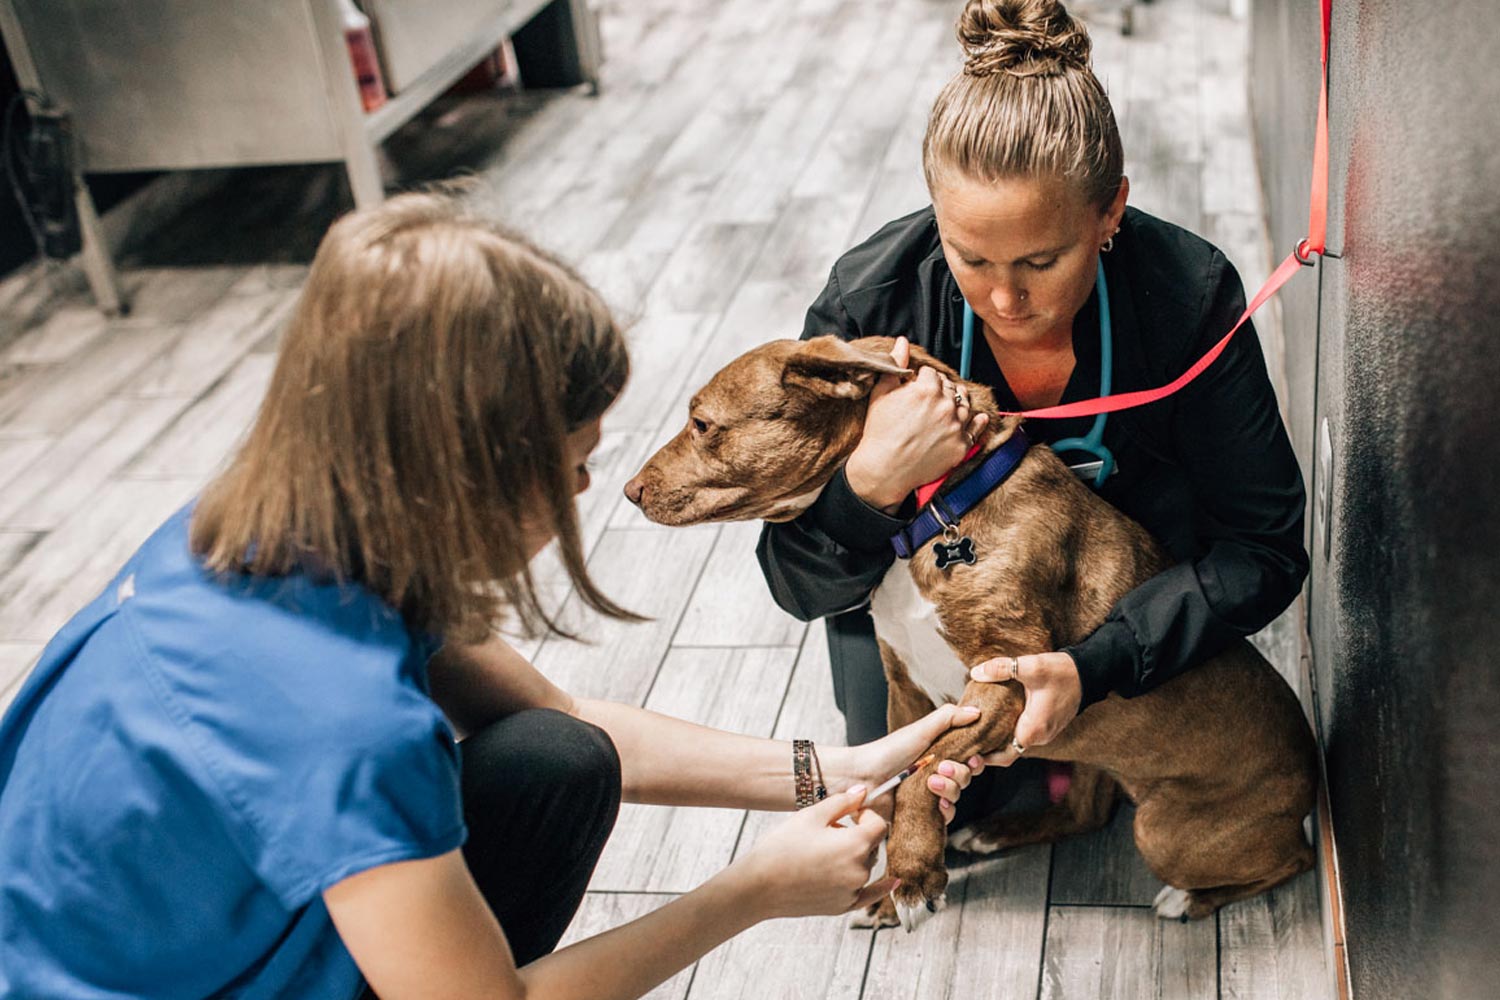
1022, 38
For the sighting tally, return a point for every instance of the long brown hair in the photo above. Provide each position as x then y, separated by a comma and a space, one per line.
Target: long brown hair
1026, 104
417, 421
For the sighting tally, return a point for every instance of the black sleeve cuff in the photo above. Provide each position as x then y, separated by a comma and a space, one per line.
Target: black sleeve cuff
842, 515
1106, 662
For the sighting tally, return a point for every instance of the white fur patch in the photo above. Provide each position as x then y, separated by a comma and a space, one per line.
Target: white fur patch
970, 841
870, 917
908, 623
913, 917
792, 506
1172, 903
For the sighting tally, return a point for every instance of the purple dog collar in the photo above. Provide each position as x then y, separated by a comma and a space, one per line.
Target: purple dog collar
944, 511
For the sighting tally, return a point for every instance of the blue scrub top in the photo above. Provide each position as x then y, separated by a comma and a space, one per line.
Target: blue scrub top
193, 761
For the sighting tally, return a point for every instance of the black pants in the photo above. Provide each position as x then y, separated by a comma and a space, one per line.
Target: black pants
859, 690
541, 792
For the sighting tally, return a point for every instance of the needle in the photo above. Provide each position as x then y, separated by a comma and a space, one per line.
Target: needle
886, 786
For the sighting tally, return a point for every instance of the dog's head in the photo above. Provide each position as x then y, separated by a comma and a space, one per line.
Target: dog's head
766, 433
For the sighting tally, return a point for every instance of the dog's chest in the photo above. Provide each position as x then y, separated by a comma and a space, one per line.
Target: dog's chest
908, 623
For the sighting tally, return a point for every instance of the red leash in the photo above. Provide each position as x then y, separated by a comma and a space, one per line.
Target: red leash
1315, 243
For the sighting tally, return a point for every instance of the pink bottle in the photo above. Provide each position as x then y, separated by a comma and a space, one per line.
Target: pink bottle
362, 53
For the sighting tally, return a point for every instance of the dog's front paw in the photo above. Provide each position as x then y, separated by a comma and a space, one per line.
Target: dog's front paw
920, 894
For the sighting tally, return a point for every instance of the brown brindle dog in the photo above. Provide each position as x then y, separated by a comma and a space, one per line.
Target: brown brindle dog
1219, 760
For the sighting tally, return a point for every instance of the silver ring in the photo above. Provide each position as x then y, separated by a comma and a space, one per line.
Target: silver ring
1015, 669
1018, 748
959, 399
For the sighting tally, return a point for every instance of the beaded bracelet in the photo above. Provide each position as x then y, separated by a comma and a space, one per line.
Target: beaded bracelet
804, 760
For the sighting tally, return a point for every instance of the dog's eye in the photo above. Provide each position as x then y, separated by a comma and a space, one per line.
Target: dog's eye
700, 425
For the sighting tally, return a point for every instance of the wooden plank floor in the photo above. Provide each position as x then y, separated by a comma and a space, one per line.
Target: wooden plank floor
736, 148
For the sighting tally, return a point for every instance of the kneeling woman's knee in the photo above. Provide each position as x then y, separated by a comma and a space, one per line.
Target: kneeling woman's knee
581, 752
545, 746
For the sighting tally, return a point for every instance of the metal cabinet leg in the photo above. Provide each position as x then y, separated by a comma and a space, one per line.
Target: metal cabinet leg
363, 167
95, 257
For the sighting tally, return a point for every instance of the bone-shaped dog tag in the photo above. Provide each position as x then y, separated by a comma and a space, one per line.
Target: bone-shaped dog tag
949, 553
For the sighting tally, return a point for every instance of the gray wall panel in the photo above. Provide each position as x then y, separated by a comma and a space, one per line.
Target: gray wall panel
1404, 611
1284, 105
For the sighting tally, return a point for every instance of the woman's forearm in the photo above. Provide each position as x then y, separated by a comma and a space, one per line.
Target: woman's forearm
631, 959
667, 761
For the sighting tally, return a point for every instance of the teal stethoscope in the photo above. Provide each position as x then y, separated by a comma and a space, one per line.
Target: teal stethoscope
1103, 463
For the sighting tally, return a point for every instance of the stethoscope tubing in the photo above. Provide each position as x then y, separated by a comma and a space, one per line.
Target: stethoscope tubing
1093, 441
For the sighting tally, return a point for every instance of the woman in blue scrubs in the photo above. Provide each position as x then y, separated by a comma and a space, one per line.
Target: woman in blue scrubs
235, 773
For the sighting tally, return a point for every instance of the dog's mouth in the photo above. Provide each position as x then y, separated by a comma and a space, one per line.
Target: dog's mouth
678, 506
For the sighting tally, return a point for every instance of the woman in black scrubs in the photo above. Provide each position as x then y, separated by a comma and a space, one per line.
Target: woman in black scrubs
1024, 164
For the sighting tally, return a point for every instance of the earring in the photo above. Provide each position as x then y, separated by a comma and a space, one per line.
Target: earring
1109, 244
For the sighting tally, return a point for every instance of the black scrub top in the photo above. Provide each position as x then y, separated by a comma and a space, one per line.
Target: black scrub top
1209, 471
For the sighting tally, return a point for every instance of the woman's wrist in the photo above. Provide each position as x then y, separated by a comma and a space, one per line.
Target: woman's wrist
841, 767
741, 892
874, 488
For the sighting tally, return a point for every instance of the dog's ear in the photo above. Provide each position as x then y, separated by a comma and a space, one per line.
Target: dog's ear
830, 366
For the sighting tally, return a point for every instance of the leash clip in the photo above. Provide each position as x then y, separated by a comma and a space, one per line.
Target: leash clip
1304, 253
950, 528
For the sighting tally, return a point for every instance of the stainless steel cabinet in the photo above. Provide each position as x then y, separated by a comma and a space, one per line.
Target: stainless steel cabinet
183, 84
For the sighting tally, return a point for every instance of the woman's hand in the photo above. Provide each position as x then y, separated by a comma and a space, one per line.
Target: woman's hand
874, 762
915, 431
1053, 694
808, 865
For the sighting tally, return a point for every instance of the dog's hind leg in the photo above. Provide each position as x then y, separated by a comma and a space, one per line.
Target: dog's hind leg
1195, 904
1089, 804
1208, 855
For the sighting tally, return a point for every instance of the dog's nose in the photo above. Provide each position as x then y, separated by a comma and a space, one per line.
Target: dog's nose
634, 490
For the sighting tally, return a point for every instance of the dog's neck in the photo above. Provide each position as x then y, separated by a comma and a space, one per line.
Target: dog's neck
850, 430
998, 429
